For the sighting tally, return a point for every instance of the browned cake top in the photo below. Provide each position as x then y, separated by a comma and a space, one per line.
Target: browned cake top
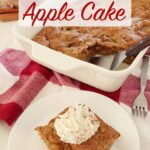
79, 38
141, 8
86, 42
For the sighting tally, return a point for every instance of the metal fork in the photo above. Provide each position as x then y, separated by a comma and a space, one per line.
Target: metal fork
140, 105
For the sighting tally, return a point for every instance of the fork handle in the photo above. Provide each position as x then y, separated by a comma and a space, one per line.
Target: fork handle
134, 50
144, 72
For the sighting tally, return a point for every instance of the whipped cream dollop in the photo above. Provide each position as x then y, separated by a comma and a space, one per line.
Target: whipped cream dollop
77, 124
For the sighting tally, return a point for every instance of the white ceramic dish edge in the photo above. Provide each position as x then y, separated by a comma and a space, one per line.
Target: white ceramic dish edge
93, 75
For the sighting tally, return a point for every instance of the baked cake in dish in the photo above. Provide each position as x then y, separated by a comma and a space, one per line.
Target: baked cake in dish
86, 42
78, 128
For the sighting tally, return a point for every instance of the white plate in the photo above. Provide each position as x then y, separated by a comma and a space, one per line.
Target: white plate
24, 137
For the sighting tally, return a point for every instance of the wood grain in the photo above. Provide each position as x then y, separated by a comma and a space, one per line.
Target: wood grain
8, 17
8, 10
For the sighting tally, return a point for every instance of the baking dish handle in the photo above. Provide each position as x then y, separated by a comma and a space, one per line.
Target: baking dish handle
53, 59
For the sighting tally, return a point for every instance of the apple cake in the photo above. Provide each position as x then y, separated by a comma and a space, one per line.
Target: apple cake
86, 42
78, 128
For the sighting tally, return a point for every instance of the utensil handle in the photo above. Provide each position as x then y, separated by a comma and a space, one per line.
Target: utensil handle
144, 71
133, 51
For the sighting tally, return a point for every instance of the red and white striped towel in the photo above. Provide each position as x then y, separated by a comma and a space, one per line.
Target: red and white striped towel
22, 81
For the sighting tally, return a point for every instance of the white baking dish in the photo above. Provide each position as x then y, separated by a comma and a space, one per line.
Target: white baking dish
93, 75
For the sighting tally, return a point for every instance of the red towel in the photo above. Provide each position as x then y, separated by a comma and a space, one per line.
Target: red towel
32, 78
